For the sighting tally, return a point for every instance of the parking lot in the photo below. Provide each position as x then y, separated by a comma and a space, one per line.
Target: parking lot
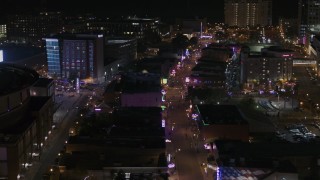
307, 132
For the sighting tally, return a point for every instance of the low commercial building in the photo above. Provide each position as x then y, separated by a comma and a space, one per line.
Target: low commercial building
221, 122
135, 90
134, 144
208, 73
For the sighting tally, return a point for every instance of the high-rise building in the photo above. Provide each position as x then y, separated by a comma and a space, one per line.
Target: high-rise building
75, 56
308, 19
244, 13
3, 31
288, 27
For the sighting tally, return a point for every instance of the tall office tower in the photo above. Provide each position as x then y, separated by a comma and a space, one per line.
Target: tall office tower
75, 56
308, 18
244, 13
3, 31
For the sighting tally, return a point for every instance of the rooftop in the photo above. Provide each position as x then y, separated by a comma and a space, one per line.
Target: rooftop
43, 82
141, 82
97, 161
279, 49
14, 78
220, 114
128, 141
210, 66
267, 150
126, 127
138, 117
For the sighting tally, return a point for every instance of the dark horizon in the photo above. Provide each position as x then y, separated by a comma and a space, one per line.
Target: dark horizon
142, 8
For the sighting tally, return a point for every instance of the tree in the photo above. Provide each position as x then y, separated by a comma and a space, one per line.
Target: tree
181, 42
193, 41
120, 175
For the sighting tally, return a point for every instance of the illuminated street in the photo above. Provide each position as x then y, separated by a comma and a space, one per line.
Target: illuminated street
186, 147
64, 119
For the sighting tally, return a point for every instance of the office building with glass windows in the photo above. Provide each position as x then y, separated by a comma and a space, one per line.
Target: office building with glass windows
72, 56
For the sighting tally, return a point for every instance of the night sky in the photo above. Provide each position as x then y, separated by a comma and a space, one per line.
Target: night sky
213, 9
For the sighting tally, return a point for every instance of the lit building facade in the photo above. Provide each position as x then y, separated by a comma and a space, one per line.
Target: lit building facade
264, 71
3, 31
315, 51
75, 56
244, 13
26, 121
308, 19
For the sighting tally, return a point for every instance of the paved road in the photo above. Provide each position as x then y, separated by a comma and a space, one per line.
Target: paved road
186, 146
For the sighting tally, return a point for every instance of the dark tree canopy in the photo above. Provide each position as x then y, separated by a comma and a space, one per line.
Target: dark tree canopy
194, 41
181, 42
